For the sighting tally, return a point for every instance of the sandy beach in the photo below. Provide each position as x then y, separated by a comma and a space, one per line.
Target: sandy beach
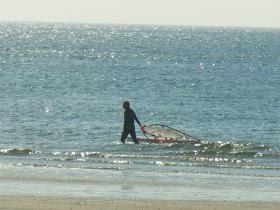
46, 203
36, 191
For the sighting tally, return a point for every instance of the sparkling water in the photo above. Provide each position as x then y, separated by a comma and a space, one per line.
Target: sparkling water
62, 88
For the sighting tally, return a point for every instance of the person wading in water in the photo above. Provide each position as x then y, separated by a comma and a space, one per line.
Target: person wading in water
128, 126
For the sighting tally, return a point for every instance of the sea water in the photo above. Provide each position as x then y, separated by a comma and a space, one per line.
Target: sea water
62, 88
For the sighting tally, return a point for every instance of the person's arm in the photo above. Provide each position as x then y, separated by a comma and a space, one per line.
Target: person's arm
136, 119
142, 127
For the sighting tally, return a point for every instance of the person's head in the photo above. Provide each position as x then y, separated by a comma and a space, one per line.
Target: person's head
126, 105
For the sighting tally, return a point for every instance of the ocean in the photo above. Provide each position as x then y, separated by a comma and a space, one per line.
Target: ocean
62, 88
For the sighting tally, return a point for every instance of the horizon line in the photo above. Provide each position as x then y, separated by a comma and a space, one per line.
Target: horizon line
138, 24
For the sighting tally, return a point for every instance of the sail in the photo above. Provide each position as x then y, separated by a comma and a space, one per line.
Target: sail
166, 133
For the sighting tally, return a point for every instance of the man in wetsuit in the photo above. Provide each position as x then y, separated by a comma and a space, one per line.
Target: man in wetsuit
128, 126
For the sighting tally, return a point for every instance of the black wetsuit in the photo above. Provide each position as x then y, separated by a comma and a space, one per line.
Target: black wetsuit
128, 127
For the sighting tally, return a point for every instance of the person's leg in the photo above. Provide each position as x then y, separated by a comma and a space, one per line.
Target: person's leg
133, 135
124, 135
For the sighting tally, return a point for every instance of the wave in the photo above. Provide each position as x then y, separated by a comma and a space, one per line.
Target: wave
209, 157
17, 151
216, 151
78, 154
228, 149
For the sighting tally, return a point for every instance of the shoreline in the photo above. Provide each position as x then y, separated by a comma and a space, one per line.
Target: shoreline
135, 185
59, 203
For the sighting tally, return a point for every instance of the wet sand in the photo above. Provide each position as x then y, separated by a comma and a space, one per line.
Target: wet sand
46, 203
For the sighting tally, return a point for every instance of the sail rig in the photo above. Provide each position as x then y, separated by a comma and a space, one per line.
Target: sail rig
158, 133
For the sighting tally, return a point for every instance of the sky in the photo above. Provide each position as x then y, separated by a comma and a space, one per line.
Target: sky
244, 13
